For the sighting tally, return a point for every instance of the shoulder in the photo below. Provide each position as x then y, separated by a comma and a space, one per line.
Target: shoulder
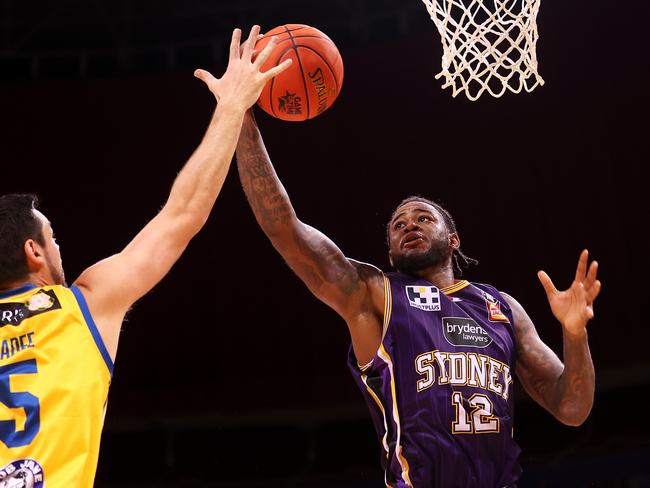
523, 325
514, 305
374, 281
367, 272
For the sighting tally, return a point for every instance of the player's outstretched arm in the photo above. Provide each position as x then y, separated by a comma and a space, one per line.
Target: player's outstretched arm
354, 290
114, 284
564, 389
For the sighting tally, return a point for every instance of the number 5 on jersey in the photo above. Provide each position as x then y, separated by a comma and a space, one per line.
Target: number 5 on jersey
9, 433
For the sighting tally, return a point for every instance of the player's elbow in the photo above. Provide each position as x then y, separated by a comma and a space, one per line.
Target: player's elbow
574, 415
186, 219
573, 421
280, 230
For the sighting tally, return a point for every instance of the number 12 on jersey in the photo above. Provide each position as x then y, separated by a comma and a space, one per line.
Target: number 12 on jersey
479, 421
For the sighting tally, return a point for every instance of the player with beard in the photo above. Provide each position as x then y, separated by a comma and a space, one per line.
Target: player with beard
58, 343
434, 355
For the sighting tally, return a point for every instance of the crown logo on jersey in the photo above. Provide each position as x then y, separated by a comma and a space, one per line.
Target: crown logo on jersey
40, 301
425, 298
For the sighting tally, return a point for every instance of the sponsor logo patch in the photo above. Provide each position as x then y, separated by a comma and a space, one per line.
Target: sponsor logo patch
23, 473
424, 297
13, 313
463, 331
494, 309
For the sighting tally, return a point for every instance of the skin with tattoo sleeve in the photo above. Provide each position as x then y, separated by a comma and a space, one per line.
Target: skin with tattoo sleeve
424, 248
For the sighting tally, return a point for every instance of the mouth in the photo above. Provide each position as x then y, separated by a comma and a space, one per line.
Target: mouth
412, 240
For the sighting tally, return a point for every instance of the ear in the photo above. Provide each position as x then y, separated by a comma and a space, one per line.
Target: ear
34, 255
454, 240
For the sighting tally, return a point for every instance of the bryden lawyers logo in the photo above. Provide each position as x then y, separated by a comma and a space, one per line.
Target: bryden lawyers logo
424, 297
463, 331
24, 473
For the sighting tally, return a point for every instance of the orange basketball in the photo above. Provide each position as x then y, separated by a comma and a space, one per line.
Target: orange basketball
313, 81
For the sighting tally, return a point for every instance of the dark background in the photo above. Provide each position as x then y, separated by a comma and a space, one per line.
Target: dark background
230, 373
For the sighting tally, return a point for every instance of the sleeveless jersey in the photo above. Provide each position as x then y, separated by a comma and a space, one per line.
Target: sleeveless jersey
439, 388
54, 377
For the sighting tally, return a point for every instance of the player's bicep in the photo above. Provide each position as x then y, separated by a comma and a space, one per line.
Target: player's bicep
323, 267
538, 367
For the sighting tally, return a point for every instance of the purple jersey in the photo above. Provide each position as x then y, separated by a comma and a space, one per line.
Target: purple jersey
439, 388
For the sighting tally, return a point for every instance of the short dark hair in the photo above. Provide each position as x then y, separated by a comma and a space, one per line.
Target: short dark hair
17, 224
460, 260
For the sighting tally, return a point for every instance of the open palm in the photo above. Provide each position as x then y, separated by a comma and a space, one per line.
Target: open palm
573, 307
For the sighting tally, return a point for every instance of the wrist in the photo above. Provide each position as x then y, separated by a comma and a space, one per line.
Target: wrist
574, 333
230, 107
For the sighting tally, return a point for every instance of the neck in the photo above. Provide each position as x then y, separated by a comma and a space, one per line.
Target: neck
438, 276
33, 278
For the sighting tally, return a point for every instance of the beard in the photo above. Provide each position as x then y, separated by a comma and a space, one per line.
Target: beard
437, 254
58, 276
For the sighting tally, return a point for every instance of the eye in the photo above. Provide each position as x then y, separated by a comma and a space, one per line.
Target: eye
424, 218
398, 225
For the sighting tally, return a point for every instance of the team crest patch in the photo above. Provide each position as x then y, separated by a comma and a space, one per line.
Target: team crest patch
24, 473
494, 309
424, 297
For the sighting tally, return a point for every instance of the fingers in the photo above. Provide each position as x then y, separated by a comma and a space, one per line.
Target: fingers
276, 70
234, 44
593, 292
581, 270
545, 279
205, 76
591, 274
264, 53
249, 45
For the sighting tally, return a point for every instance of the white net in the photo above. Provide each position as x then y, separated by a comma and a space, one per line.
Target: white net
488, 45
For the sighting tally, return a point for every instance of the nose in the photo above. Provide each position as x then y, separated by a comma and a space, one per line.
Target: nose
410, 226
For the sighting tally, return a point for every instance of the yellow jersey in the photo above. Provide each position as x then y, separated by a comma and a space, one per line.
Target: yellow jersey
54, 377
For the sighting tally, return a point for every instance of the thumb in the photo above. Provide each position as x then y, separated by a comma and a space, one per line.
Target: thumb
547, 283
203, 75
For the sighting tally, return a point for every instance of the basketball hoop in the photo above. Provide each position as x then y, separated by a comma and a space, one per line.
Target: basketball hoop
487, 45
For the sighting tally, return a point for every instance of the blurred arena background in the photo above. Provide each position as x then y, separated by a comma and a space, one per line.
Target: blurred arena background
230, 374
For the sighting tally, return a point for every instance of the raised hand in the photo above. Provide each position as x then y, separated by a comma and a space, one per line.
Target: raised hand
243, 82
573, 307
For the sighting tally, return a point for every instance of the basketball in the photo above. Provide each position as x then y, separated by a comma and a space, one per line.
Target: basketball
313, 81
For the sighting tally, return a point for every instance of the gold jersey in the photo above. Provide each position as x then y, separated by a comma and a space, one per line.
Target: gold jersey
54, 377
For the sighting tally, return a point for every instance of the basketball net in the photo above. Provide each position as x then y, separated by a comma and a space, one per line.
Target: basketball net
488, 45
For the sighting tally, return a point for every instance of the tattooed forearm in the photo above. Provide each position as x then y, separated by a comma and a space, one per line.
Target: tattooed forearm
266, 195
564, 389
311, 255
577, 383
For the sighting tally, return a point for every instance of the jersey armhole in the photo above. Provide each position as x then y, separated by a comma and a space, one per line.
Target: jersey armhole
92, 327
388, 308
